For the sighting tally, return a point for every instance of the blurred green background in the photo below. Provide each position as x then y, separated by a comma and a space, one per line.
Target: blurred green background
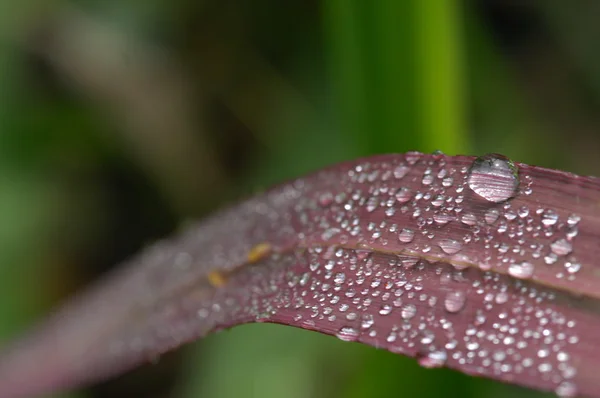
121, 120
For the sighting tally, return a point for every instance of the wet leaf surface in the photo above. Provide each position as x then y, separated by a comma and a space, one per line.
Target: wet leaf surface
478, 264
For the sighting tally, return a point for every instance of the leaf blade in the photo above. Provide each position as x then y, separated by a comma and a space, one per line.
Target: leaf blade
242, 264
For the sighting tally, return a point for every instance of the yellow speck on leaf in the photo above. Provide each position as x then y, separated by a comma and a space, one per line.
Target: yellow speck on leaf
259, 252
216, 278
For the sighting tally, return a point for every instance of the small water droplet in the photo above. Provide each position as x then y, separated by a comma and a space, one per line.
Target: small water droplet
401, 170
549, 218
468, 219
434, 359
566, 389
406, 235
572, 267
561, 247
455, 301
450, 246
573, 220
347, 334
326, 199
385, 310
408, 312
372, 204
522, 270
403, 195
494, 178
491, 216
339, 278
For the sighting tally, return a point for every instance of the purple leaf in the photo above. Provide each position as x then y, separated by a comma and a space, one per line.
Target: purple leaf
480, 265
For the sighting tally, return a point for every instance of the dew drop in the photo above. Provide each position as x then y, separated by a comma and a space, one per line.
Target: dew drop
403, 195
566, 389
494, 178
406, 235
434, 359
573, 220
491, 216
408, 312
561, 247
401, 170
455, 301
385, 310
522, 270
450, 246
549, 218
468, 219
326, 199
347, 334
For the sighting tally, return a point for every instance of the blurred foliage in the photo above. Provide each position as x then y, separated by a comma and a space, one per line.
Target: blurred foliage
121, 120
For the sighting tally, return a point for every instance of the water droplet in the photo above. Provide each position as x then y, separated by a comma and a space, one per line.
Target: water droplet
491, 216
372, 204
385, 310
408, 312
549, 218
367, 321
573, 220
339, 278
326, 199
566, 389
403, 195
494, 178
434, 359
572, 267
455, 301
450, 246
406, 235
401, 170
347, 334
561, 247
468, 219
523, 270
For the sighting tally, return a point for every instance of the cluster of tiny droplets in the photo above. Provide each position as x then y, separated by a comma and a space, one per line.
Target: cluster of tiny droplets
383, 300
433, 222
478, 321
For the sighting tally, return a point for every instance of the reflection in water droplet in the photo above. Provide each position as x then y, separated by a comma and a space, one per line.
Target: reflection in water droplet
455, 301
494, 178
523, 270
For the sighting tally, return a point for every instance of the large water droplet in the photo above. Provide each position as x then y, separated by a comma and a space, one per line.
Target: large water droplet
455, 301
523, 270
494, 178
